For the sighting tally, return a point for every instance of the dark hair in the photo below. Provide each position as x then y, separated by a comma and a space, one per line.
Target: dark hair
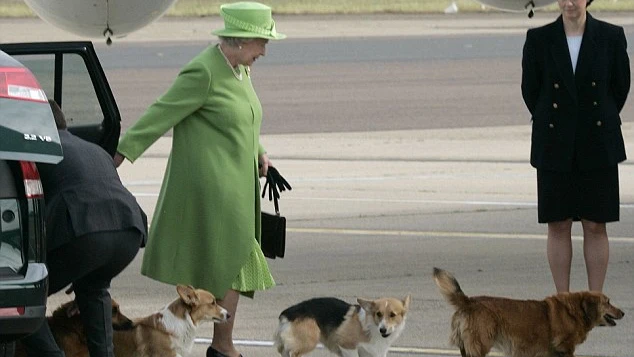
60, 120
589, 2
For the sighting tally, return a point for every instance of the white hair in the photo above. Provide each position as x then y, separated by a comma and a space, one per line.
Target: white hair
235, 41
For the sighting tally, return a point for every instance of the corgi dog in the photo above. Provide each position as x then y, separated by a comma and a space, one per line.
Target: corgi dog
366, 329
170, 332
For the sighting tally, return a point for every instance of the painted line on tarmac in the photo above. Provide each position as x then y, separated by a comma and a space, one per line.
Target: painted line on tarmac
429, 234
448, 202
402, 350
391, 200
394, 200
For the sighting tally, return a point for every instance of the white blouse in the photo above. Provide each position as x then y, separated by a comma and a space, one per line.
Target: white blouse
574, 44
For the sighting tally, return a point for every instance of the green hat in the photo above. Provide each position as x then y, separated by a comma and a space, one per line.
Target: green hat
248, 19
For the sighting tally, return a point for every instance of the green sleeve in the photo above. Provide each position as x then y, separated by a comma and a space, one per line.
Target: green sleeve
188, 93
261, 150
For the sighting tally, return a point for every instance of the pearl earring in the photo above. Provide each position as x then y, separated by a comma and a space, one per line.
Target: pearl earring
239, 47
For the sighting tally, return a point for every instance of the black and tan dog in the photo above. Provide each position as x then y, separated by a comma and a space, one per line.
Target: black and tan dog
552, 327
366, 329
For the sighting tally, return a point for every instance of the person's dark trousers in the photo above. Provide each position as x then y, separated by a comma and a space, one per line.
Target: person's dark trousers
42, 343
89, 262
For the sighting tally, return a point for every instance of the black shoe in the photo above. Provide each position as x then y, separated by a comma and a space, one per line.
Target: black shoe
212, 352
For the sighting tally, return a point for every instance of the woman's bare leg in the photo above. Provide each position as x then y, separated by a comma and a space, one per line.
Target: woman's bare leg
559, 251
223, 332
596, 252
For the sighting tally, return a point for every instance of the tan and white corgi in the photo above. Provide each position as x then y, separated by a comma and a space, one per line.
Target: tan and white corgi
171, 331
366, 329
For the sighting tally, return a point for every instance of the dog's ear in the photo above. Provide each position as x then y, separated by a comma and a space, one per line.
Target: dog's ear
120, 322
590, 308
365, 304
406, 302
188, 294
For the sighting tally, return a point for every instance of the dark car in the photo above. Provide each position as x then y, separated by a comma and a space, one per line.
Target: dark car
23, 274
30, 73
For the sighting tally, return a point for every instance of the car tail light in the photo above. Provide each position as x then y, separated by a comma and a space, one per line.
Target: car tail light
12, 311
20, 83
32, 183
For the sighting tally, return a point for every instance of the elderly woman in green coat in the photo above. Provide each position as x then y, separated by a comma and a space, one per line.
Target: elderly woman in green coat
206, 226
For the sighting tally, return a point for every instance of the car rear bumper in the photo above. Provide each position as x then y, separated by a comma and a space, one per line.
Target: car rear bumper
23, 303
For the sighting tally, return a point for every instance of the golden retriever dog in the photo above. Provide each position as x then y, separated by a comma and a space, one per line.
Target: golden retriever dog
68, 329
552, 327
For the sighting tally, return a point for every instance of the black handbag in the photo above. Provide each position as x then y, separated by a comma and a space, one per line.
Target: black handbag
273, 234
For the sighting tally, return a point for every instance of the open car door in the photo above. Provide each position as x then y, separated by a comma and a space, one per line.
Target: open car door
70, 73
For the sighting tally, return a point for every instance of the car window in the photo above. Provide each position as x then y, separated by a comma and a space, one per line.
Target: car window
80, 104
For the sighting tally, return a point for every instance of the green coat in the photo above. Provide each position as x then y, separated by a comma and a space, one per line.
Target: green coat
208, 210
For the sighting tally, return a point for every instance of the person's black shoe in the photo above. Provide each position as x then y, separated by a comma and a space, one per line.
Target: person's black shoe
212, 352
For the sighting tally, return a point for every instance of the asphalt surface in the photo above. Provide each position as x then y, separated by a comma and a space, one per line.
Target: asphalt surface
372, 211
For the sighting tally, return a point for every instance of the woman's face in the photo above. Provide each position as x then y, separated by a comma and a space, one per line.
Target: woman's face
251, 50
572, 9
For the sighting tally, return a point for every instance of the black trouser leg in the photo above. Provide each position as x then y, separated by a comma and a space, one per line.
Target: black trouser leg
41, 343
90, 262
118, 249
96, 314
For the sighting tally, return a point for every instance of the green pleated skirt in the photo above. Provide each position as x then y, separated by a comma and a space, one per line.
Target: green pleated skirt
254, 274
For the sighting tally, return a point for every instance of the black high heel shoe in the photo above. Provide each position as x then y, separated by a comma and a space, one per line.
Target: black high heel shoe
212, 352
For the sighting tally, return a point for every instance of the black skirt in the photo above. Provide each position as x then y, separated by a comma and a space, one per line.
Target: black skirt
590, 195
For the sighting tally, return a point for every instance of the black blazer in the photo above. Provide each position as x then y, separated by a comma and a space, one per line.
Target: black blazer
575, 116
84, 194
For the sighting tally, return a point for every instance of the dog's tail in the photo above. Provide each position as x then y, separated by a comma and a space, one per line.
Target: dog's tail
450, 288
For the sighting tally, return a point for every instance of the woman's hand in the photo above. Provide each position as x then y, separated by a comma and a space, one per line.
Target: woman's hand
118, 159
263, 165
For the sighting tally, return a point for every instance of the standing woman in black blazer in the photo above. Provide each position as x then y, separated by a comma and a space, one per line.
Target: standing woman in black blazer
575, 79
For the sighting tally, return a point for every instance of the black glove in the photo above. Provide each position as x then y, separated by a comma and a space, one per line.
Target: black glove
275, 183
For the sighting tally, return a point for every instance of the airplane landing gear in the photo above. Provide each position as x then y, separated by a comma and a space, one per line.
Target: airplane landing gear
530, 5
108, 33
